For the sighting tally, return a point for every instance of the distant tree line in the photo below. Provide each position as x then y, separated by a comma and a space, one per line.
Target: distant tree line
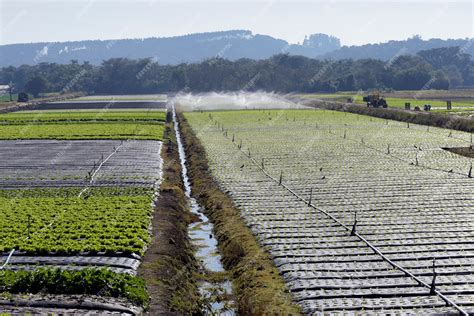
440, 68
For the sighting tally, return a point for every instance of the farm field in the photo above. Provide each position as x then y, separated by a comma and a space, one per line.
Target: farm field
154, 97
77, 191
53, 163
302, 178
82, 116
82, 125
59, 221
462, 104
144, 102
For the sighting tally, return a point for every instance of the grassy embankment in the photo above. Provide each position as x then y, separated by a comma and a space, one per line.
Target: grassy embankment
169, 266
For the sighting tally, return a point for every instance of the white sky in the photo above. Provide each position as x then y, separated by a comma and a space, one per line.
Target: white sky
354, 22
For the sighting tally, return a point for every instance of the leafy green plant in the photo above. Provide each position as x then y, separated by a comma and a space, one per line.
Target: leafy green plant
43, 221
101, 282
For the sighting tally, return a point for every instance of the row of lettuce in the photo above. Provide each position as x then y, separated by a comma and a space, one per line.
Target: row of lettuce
63, 221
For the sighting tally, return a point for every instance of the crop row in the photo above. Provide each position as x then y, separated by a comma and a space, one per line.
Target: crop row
58, 221
83, 131
80, 116
72, 163
83, 125
87, 281
302, 178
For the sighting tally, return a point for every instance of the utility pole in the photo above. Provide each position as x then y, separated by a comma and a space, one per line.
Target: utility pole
10, 90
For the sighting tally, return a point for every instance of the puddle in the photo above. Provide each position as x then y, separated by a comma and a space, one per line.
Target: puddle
216, 294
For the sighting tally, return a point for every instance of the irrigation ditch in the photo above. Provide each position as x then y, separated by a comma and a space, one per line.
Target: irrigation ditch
182, 266
258, 287
214, 285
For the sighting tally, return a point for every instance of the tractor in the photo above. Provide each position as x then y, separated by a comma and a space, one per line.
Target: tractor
23, 97
375, 101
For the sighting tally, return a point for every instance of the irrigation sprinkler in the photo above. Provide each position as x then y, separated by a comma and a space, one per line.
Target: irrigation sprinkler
388, 149
281, 177
433, 282
353, 231
263, 163
249, 151
416, 159
310, 196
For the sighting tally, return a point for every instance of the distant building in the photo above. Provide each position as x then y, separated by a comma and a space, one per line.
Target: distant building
4, 89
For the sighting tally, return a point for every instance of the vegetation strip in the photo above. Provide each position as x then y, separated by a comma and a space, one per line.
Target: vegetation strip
107, 220
169, 265
75, 125
100, 282
257, 283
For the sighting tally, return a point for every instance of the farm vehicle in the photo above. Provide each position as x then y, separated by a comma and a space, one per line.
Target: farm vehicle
375, 101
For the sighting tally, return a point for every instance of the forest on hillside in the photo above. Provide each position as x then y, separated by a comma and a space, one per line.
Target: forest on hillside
440, 68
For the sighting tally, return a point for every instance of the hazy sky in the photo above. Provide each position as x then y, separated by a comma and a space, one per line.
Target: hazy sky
354, 22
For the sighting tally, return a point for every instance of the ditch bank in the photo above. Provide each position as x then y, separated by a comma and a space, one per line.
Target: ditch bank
169, 266
422, 118
213, 281
257, 285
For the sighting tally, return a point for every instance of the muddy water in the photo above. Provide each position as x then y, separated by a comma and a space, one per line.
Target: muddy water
215, 294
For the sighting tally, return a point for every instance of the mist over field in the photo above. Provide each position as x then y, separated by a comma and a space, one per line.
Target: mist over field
233, 101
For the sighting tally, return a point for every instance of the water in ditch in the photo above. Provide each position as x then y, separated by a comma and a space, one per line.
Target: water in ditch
217, 292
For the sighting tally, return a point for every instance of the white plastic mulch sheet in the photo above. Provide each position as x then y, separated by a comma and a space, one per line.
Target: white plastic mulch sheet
413, 201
